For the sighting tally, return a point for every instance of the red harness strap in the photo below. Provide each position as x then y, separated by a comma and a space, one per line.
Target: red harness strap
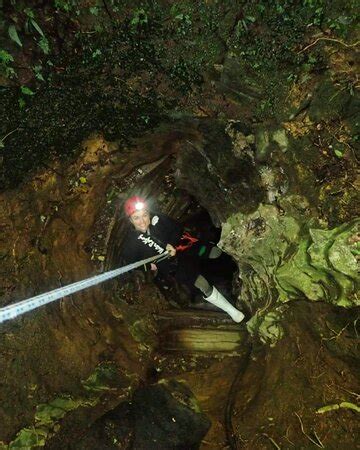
189, 241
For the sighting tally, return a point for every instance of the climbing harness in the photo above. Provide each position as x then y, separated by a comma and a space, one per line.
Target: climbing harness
188, 240
11, 311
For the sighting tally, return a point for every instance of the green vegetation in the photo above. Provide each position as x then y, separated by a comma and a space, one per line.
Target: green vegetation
121, 70
282, 258
5, 64
269, 39
105, 378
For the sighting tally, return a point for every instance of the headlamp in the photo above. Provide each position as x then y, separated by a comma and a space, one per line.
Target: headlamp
139, 206
134, 204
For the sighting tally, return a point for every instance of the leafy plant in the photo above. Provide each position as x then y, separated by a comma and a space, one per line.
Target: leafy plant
65, 5
37, 71
22, 103
96, 53
184, 23
44, 45
5, 57
139, 18
31, 22
26, 91
5, 60
338, 152
14, 35
94, 10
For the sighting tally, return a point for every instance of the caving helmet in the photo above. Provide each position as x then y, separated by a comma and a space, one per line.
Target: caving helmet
133, 204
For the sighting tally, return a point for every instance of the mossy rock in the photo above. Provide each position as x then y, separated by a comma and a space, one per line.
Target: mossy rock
282, 259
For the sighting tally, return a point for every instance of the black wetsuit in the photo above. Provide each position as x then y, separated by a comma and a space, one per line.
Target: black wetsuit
163, 230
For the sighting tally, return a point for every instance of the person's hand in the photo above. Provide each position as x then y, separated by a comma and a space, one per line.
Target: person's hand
153, 267
171, 250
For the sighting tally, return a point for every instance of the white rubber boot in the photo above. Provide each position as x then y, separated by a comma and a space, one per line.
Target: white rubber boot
217, 299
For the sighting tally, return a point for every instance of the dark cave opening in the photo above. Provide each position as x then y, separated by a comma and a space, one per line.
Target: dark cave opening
218, 272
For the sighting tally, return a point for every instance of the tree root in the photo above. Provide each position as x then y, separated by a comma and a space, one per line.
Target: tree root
272, 441
328, 39
229, 430
346, 405
318, 443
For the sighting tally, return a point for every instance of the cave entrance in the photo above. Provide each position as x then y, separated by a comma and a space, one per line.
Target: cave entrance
218, 271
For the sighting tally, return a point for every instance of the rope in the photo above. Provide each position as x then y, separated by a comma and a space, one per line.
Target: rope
11, 311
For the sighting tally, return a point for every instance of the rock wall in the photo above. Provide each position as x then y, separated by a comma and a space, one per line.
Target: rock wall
56, 229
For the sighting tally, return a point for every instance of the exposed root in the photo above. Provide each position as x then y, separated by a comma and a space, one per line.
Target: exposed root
6, 135
336, 334
272, 441
230, 434
357, 396
345, 405
318, 443
329, 39
287, 437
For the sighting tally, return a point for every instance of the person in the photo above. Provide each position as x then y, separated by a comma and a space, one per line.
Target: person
156, 234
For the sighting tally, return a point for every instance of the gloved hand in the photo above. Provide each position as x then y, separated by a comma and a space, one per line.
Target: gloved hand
171, 250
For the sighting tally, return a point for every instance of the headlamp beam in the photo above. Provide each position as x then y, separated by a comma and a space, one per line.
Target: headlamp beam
139, 206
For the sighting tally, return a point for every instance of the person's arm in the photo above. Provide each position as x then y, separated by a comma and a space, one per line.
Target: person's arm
131, 253
168, 231
171, 230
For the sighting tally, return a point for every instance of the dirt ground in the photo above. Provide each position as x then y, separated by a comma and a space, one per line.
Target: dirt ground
259, 397
270, 397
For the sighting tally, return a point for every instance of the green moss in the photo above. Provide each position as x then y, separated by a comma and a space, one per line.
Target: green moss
102, 379
142, 330
48, 416
331, 253
267, 327
282, 259
298, 278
